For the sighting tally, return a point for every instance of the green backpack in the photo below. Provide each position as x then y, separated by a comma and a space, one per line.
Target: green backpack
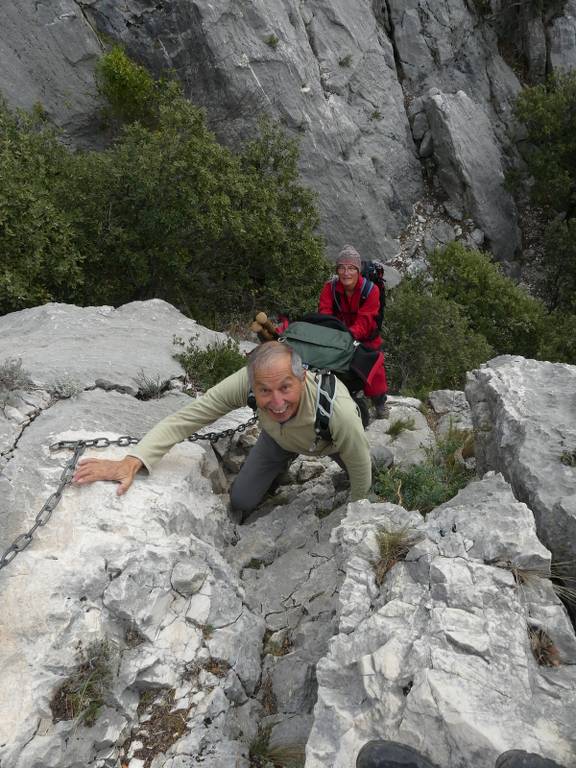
321, 348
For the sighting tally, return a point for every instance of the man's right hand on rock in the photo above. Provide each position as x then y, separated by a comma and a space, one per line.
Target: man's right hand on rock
122, 472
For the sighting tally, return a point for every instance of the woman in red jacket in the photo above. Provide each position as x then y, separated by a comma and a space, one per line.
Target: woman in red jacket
342, 297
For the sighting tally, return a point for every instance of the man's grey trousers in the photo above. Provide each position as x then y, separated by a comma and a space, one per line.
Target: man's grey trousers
265, 462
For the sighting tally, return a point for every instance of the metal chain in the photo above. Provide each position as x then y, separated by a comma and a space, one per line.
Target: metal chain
79, 446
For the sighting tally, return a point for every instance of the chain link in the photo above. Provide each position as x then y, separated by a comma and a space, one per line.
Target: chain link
79, 446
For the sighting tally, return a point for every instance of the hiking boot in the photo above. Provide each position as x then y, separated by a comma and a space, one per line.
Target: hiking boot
390, 754
363, 408
517, 758
382, 410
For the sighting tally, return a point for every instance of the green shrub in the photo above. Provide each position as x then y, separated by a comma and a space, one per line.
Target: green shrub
558, 286
129, 89
428, 341
206, 367
40, 259
558, 341
272, 40
548, 113
427, 485
508, 318
164, 212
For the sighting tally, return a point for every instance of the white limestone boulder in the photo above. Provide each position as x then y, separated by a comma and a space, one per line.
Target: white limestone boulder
524, 414
439, 657
103, 347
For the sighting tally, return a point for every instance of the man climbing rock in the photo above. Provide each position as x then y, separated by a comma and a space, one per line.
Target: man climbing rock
286, 400
346, 298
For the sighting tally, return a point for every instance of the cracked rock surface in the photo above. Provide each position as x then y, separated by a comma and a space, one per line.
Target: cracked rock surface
439, 656
524, 418
223, 637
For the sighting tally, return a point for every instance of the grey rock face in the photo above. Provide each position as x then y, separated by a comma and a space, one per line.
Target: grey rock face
48, 52
562, 37
325, 70
439, 657
470, 167
452, 408
524, 414
405, 434
336, 75
446, 46
99, 346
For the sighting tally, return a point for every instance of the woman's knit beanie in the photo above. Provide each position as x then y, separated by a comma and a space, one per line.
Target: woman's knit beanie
349, 255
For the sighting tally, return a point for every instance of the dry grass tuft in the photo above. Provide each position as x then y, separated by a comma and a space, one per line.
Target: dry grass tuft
263, 755
543, 647
394, 545
560, 576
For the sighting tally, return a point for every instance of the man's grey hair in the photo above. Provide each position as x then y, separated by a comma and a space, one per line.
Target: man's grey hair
265, 354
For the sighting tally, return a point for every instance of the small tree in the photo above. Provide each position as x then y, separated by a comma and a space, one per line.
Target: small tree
428, 341
549, 115
558, 287
509, 318
40, 261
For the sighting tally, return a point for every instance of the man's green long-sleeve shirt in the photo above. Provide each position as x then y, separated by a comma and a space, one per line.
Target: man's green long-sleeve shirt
296, 435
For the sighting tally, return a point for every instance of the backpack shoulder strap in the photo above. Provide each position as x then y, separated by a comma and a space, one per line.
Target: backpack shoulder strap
324, 404
366, 290
335, 300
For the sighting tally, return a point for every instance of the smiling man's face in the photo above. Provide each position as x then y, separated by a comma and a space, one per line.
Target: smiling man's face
277, 390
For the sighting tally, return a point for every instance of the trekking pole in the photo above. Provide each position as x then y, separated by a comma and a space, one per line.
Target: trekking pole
266, 324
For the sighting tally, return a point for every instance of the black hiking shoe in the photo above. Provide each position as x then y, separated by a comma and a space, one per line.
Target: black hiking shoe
390, 754
382, 409
363, 407
517, 758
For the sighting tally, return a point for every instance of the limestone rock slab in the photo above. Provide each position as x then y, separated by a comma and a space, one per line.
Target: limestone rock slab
470, 167
524, 414
104, 567
562, 40
99, 346
409, 446
439, 657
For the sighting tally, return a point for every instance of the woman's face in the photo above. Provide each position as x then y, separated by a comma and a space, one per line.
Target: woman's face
348, 276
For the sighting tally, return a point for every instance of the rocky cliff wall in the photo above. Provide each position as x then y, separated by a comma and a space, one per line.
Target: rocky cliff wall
350, 80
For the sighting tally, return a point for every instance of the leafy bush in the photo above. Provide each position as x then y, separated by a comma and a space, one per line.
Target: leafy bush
206, 367
558, 341
548, 112
508, 318
40, 259
427, 485
428, 340
558, 286
164, 212
128, 89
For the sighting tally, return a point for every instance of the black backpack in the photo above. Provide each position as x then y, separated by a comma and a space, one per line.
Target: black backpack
373, 271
